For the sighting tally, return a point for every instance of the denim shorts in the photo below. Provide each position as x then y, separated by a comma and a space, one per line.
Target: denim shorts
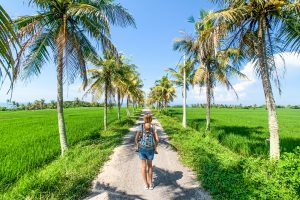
146, 154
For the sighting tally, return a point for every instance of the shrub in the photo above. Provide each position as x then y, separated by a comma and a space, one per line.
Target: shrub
3, 108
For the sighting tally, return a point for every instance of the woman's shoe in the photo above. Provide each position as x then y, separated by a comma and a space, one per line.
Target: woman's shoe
146, 187
151, 186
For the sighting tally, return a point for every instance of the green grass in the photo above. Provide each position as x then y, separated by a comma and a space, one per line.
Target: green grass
70, 176
245, 130
230, 175
29, 140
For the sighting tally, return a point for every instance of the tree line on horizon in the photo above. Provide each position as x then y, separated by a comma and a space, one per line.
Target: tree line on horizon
240, 31
238, 106
76, 103
63, 30
42, 104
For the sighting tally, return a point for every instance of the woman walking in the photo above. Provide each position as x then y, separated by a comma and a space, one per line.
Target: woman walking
147, 140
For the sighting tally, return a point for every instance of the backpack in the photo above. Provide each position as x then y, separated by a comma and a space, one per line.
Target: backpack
147, 140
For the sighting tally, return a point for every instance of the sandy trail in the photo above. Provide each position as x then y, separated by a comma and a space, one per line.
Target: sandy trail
120, 177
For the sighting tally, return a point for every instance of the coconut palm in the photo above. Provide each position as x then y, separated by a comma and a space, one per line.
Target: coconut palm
101, 82
63, 28
214, 64
139, 98
113, 76
215, 71
134, 91
155, 97
7, 40
165, 90
183, 77
253, 26
127, 74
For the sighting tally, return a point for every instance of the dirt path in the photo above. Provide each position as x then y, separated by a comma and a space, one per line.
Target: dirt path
120, 177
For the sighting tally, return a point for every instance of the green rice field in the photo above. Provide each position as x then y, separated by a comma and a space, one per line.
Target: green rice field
245, 130
29, 140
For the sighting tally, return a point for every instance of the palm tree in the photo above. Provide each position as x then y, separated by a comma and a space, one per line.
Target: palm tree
166, 91
183, 78
127, 73
214, 64
155, 97
101, 82
253, 26
114, 75
63, 27
7, 40
120, 82
134, 90
216, 71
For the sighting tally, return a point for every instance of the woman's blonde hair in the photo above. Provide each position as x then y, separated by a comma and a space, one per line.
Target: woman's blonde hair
147, 126
147, 118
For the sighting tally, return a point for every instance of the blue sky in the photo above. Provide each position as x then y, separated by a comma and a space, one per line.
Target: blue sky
150, 47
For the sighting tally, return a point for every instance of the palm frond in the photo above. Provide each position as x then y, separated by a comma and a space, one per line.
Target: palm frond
8, 41
200, 75
38, 54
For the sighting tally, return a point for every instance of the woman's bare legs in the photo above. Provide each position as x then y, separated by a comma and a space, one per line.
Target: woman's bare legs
144, 172
150, 172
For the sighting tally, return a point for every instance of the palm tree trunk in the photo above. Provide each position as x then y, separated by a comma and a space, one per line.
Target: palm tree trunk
60, 112
272, 118
61, 40
208, 102
184, 99
119, 105
267, 87
133, 104
127, 106
105, 106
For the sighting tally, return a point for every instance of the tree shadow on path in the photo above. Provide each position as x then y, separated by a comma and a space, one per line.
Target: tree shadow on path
169, 179
105, 191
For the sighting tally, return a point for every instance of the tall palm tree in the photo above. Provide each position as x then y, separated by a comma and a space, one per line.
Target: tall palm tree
134, 89
253, 26
216, 71
154, 97
183, 77
139, 97
113, 76
101, 82
64, 28
128, 74
7, 41
214, 64
165, 89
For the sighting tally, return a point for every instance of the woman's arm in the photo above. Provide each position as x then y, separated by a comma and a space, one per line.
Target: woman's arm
137, 137
156, 136
138, 133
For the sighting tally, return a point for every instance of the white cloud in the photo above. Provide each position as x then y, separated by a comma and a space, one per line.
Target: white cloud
250, 89
223, 95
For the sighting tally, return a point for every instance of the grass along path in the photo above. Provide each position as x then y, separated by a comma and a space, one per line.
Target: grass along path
228, 175
29, 140
69, 177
